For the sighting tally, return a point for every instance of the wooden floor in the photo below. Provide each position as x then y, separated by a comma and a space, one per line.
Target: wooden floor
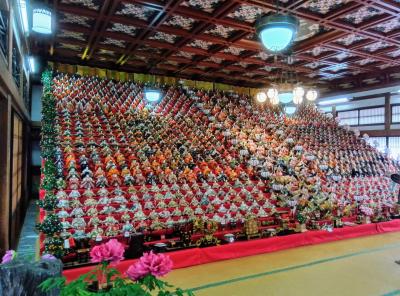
362, 266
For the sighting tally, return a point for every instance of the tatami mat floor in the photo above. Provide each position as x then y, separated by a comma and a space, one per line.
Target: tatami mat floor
363, 266
357, 267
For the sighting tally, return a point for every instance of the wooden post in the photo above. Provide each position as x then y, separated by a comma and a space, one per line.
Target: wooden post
388, 112
5, 178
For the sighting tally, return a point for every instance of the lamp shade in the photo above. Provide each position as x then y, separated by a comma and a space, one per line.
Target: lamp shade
286, 97
277, 31
42, 20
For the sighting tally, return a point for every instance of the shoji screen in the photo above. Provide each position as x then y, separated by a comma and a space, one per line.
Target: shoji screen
395, 114
372, 115
348, 117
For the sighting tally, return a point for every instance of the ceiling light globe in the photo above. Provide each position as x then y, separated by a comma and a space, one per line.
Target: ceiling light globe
274, 100
272, 93
311, 95
42, 20
261, 97
297, 99
152, 95
277, 31
290, 110
298, 91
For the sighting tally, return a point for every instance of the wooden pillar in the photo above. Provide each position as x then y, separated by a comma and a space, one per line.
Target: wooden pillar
334, 113
5, 177
388, 112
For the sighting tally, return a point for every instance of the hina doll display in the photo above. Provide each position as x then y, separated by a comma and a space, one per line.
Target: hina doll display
122, 167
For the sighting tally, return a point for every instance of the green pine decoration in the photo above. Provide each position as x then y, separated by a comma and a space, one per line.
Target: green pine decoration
54, 246
301, 218
49, 172
49, 203
51, 225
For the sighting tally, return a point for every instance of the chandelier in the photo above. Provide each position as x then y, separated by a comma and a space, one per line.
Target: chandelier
287, 92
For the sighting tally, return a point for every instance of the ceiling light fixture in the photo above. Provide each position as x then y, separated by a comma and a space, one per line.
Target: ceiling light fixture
297, 100
277, 32
274, 100
261, 97
286, 97
31, 62
298, 91
311, 95
42, 20
290, 110
272, 92
333, 101
23, 13
152, 94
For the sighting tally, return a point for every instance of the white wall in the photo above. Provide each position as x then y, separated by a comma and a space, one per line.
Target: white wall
36, 160
36, 112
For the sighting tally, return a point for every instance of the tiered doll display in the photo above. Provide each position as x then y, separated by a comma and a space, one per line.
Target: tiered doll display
124, 167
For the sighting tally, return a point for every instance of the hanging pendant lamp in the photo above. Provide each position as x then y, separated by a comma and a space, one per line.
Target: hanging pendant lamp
277, 32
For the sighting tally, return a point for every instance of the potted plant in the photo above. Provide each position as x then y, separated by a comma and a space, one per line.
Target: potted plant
141, 278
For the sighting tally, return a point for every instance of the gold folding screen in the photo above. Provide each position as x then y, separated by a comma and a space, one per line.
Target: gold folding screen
140, 77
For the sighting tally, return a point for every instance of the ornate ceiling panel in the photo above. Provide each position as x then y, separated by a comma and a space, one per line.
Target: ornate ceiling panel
340, 43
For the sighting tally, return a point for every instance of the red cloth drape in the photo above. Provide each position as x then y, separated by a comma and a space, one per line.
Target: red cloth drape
198, 256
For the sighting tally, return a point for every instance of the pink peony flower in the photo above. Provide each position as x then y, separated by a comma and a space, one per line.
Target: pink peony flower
8, 256
150, 263
111, 251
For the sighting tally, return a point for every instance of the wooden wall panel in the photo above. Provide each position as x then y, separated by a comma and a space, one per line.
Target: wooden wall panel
5, 144
17, 209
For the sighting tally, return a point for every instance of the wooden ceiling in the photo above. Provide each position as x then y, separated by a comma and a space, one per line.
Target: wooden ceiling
342, 44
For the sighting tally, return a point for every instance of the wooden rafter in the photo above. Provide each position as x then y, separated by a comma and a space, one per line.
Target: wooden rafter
328, 63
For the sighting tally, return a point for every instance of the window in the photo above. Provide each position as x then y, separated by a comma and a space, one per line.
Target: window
378, 142
372, 115
394, 147
395, 113
4, 33
16, 64
348, 117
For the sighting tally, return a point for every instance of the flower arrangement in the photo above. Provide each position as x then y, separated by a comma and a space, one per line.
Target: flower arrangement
9, 256
141, 277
